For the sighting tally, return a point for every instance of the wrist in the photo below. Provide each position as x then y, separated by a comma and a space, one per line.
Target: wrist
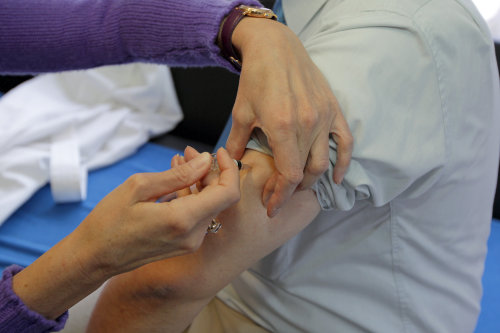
59, 278
252, 33
229, 24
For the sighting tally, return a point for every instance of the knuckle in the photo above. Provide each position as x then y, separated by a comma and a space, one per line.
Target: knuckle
177, 224
242, 118
191, 244
349, 141
183, 174
333, 104
309, 118
233, 195
137, 182
345, 139
295, 176
179, 228
284, 124
183, 230
318, 167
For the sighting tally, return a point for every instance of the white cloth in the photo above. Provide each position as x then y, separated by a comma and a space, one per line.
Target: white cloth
401, 243
94, 117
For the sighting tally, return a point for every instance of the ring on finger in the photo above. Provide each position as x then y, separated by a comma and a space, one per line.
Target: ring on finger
214, 226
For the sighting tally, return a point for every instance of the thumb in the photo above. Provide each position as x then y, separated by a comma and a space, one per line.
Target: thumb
148, 186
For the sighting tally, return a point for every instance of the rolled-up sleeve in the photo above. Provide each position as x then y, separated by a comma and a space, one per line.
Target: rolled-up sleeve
381, 70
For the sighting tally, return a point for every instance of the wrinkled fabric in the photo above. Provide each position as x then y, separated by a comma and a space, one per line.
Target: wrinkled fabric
113, 110
399, 245
56, 35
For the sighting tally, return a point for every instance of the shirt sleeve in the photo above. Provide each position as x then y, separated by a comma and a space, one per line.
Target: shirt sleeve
382, 73
15, 316
381, 69
55, 35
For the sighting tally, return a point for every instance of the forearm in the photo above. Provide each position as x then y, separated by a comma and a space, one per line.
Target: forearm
167, 295
101, 245
55, 35
59, 278
124, 307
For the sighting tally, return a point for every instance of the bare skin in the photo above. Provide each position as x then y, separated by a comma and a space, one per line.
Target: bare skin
100, 247
286, 95
283, 93
165, 296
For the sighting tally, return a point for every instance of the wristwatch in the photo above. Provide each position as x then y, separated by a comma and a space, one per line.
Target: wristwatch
229, 24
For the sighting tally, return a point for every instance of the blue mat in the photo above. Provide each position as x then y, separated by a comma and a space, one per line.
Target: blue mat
489, 319
40, 223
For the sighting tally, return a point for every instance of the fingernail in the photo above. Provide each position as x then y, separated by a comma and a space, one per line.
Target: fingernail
175, 160
201, 160
274, 212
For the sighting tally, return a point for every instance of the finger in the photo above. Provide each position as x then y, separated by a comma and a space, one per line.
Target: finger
289, 162
168, 197
229, 174
187, 190
176, 161
241, 129
173, 161
284, 190
183, 192
318, 161
225, 170
194, 188
344, 140
146, 186
190, 153
269, 188
211, 177
207, 204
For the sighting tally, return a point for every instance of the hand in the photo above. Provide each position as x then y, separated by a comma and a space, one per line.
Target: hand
282, 92
130, 218
211, 178
127, 229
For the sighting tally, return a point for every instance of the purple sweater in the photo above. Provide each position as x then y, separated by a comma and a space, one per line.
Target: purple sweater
15, 316
54, 35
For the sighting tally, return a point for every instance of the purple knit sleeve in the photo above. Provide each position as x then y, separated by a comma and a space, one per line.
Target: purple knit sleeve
54, 35
15, 315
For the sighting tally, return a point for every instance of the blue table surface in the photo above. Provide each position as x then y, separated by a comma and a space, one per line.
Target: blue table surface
40, 223
489, 319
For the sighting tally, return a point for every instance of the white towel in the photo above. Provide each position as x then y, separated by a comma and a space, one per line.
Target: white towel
86, 120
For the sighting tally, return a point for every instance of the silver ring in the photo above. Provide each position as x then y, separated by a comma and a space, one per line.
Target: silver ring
214, 226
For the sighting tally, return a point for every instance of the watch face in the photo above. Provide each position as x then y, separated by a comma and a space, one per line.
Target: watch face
257, 12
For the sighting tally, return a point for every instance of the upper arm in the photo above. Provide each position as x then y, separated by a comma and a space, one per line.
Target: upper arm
382, 72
